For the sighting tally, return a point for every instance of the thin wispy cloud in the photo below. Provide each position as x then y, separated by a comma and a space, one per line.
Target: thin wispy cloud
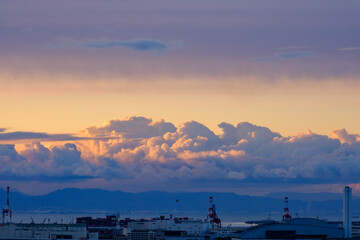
18, 137
208, 32
286, 56
136, 44
9, 136
348, 49
292, 47
139, 44
294, 54
262, 59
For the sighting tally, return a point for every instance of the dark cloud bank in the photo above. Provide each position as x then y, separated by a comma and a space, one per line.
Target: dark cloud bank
143, 152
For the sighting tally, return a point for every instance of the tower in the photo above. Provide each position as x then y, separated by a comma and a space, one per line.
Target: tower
286, 215
214, 219
347, 224
7, 213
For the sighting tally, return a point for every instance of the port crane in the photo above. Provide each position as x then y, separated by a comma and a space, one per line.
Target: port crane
286, 215
212, 216
7, 212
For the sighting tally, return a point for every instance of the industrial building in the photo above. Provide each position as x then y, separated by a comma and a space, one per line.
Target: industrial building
175, 228
355, 230
32, 231
296, 228
303, 228
103, 228
190, 226
145, 235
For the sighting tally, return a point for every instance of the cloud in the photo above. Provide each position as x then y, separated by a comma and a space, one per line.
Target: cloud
236, 175
36, 162
8, 154
2, 130
344, 136
139, 44
349, 49
247, 131
9, 136
294, 54
292, 47
132, 127
299, 54
145, 154
136, 44
262, 59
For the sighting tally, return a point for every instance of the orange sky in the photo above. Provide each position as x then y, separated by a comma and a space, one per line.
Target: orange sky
286, 107
286, 66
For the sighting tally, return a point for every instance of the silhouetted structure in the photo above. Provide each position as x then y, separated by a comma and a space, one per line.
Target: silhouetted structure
212, 216
7, 213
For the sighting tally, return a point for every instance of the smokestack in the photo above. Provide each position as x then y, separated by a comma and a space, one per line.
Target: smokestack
347, 224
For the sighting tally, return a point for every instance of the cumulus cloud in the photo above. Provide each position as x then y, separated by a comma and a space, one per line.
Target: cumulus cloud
143, 152
344, 136
8, 154
36, 162
139, 44
247, 131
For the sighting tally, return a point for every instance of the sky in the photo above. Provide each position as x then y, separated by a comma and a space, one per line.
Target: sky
247, 96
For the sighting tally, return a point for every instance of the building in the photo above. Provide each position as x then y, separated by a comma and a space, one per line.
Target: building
356, 230
180, 235
103, 228
296, 228
194, 227
169, 229
146, 235
34, 231
347, 213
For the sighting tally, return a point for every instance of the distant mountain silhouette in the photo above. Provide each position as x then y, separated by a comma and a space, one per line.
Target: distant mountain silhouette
323, 196
72, 200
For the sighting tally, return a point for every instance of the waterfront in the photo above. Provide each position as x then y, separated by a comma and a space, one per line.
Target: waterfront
51, 217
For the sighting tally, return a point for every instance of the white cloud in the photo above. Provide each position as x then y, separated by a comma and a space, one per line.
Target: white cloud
344, 136
145, 153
